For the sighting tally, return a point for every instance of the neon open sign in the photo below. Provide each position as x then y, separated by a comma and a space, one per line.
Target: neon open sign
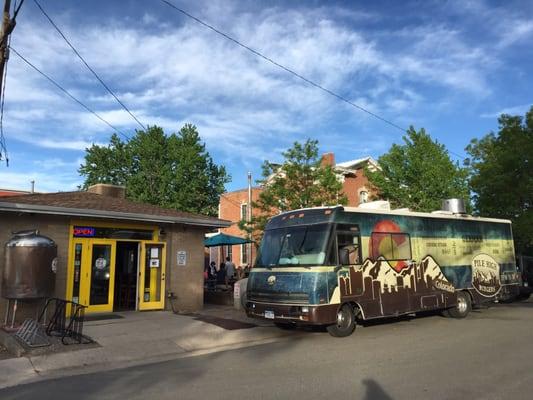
84, 231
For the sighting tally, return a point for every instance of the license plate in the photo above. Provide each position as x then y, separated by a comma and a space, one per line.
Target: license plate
269, 314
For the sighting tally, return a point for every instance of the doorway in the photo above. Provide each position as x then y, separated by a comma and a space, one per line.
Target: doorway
126, 268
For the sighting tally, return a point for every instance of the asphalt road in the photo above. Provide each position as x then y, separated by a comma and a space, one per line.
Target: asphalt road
488, 355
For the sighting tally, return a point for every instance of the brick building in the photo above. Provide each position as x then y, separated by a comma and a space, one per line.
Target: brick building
10, 192
233, 205
153, 257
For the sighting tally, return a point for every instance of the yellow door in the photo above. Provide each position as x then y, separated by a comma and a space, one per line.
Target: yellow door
98, 276
152, 276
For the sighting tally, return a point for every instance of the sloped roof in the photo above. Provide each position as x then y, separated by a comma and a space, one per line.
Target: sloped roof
87, 204
357, 162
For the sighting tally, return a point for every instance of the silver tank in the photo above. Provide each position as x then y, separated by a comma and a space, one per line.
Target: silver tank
456, 206
30, 262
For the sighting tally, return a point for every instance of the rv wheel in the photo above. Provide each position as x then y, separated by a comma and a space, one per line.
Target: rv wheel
345, 324
463, 307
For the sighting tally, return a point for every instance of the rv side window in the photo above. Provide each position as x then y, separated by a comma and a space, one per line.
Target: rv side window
391, 246
348, 245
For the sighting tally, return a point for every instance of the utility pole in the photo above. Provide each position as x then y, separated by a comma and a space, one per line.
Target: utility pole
249, 217
7, 27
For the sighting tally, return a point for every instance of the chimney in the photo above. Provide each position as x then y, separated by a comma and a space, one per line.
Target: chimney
328, 159
106, 189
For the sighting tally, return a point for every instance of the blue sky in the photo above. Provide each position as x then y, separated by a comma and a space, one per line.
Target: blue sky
450, 67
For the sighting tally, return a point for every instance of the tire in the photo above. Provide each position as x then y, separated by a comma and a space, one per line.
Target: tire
345, 324
523, 296
463, 307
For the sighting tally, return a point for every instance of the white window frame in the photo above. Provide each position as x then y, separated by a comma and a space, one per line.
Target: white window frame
361, 199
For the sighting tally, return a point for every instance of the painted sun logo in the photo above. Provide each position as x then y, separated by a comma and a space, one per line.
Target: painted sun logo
271, 280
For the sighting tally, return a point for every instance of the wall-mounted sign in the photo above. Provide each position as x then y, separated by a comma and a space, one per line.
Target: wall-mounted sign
154, 263
84, 231
182, 257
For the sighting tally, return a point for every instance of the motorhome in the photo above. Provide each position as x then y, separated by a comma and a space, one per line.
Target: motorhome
334, 266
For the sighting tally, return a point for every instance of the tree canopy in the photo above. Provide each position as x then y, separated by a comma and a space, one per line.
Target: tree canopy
501, 176
173, 171
300, 181
418, 174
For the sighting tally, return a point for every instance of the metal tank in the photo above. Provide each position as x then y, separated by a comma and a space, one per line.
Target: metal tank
456, 206
29, 268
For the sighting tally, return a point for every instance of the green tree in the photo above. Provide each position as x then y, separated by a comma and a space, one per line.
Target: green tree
300, 181
501, 176
172, 171
418, 174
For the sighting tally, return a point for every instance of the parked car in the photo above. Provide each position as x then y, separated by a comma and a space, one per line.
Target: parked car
525, 267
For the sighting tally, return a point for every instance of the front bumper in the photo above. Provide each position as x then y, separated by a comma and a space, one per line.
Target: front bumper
292, 313
508, 292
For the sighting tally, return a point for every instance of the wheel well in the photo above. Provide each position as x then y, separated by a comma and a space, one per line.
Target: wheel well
357, 309
469, 295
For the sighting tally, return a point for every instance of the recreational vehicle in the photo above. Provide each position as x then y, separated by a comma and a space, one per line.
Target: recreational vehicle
334, 266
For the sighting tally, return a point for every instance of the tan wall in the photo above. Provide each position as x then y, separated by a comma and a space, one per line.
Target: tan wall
57, 229
186, 282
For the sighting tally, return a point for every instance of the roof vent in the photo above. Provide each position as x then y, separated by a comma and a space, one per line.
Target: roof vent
456, 206
383, 205
108, 190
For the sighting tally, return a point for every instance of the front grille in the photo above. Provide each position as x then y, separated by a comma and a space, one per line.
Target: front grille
279, 297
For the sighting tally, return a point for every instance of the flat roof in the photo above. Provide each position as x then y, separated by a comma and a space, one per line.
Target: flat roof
444, 215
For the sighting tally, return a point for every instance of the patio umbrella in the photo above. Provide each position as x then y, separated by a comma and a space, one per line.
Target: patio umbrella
221, 239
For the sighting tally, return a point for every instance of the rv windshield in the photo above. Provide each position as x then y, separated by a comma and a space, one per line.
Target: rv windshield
302, 245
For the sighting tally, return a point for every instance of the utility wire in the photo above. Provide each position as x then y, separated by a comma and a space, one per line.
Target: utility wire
6, 38
3, 146
290, 71
12, 23
68, 94
87, 65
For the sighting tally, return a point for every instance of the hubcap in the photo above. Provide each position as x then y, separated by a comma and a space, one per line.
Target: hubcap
461, 305
343, 319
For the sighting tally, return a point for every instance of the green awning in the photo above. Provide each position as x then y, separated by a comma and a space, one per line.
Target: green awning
221, 239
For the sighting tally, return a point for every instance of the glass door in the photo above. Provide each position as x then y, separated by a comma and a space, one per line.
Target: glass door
152, 276
98, 276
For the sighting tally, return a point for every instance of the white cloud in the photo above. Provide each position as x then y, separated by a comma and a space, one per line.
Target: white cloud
515, 110
241, 104
44, 181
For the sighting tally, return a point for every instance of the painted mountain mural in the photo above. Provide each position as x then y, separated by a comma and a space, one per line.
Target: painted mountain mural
381, 290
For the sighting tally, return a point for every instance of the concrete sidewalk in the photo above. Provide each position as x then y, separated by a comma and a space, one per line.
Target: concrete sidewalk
145, 337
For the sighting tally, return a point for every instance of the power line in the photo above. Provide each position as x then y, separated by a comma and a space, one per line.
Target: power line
290, 71
8, 24
67, 93
87, 65
3, 146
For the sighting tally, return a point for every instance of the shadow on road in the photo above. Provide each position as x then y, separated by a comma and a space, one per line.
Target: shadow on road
374, 391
